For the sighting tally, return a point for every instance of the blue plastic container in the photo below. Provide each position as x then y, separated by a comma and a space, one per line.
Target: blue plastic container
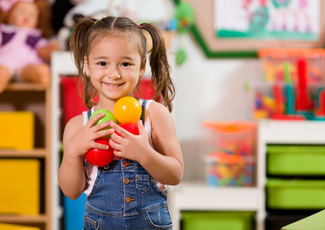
73, 212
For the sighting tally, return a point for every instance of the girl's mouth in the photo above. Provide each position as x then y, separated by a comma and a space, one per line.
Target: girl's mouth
113, 85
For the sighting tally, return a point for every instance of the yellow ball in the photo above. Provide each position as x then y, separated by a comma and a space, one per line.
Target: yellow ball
127, 109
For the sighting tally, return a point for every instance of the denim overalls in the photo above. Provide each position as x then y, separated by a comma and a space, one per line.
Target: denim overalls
125, 196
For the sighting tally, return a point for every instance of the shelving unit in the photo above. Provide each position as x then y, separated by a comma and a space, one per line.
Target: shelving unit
282, 132
34, 98
198, 196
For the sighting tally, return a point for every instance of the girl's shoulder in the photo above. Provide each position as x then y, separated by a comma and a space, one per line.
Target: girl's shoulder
158, 112
75, 123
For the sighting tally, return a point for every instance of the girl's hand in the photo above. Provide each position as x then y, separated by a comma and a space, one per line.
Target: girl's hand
80, 143
129, 146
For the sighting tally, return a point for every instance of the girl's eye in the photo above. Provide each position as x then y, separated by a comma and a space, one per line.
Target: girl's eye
102, 63
126, 64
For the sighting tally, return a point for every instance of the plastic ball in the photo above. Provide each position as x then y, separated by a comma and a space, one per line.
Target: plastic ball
107, 117
100, 157
130, 127
127, 109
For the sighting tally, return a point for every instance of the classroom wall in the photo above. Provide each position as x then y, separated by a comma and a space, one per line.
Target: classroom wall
209, 89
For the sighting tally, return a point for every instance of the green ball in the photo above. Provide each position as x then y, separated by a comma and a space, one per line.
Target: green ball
108, 117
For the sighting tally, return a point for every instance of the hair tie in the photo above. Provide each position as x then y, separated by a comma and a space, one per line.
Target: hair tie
140, 26
95, 22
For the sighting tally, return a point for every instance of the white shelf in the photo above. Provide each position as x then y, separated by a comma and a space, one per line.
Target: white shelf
294, 132
198, 196
62, 64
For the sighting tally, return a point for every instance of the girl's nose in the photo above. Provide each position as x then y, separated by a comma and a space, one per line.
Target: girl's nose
114, 74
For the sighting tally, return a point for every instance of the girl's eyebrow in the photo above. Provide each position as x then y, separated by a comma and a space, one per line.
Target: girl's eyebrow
129, 58
100, 57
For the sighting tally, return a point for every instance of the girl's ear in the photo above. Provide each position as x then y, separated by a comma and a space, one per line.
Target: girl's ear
143, 67
86, 66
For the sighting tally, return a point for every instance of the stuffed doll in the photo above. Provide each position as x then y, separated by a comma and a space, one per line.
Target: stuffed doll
25, 51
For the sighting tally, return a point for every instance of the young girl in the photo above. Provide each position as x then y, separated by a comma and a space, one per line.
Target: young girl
130, 192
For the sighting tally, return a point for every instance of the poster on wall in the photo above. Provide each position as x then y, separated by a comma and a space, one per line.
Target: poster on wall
267, 19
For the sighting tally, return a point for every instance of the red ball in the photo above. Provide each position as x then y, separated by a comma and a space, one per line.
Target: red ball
130, 127
100, 157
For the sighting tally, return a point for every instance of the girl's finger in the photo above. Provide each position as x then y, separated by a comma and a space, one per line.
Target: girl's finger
100, 146
119, 130
103, 133
141, 127
101, 126
94, 119
117, 153
113, 144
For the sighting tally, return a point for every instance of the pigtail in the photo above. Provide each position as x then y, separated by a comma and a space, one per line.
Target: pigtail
161, 80
78, 44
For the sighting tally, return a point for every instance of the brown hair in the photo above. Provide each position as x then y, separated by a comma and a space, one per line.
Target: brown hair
44, 17
89, 30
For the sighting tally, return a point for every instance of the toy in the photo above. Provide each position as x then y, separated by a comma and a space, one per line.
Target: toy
107, 117
127, 109
130, 127
100, 157
25, 52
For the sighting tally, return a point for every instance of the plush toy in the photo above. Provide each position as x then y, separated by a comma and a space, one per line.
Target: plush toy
25, 51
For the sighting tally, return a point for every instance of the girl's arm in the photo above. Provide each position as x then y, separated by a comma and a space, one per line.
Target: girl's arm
165, 164
77, 140
166, 167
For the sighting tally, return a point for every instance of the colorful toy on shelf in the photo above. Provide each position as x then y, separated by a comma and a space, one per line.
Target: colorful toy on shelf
320, 105
272, 61
288, 90
100, 157
298, 67
303, 102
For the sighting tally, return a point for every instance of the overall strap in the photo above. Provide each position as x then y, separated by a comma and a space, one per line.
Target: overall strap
89, 114
143, 112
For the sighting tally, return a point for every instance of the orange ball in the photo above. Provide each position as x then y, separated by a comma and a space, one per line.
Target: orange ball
127, 109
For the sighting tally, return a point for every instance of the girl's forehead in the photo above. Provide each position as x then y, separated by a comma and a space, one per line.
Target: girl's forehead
122, 40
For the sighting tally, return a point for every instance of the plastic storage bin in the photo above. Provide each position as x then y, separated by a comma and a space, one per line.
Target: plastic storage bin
218, 220
295, 194
20, 186
225, 169
296, 160
74, 211
272, 61
229, 153
16, 130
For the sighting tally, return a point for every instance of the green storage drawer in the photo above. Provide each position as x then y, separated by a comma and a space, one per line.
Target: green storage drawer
295, 194
296, 160
208, 220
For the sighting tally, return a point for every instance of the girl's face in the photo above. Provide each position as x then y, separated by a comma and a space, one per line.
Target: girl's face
24, 14
115, 66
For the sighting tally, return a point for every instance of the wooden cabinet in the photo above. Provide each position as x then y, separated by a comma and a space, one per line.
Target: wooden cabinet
36, 99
